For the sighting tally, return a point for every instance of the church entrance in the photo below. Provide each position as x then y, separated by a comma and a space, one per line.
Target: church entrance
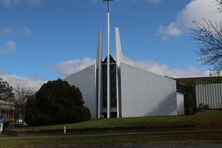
113, 100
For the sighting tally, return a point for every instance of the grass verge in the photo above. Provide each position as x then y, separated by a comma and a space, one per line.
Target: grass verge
209, 119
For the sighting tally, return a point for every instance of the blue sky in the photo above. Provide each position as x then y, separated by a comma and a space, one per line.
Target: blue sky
42, 40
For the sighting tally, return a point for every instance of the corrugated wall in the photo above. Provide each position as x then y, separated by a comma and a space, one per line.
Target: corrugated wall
209, 94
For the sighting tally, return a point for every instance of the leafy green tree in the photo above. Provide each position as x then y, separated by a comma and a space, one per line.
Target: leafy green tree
6, 91
188, 91
56, 103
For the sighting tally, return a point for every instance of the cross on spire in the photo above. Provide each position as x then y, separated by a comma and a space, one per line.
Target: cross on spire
108, 4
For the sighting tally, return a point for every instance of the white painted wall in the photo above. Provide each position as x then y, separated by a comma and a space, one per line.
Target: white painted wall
146, 94
180, 104
85, 81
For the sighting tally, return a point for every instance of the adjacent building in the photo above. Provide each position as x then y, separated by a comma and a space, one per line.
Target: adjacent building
7, 109
206, 91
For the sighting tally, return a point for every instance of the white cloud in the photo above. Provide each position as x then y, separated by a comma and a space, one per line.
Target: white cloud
10, 47
34, 76
69, 67
27, 83
164, 70
196, 10
8, 31
2, 72
11, 44
27, 31
9, 3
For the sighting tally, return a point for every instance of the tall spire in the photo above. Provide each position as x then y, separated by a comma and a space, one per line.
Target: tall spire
108, 57
118, 47
99, 74
118, 73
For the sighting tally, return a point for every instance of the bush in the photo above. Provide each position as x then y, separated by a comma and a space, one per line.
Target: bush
56, 103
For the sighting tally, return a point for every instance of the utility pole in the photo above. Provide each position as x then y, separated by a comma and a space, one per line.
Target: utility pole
108, 58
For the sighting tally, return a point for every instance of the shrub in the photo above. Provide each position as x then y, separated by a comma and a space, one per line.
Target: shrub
56, 103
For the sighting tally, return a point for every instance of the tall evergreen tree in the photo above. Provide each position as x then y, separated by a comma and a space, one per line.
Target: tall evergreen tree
55, 103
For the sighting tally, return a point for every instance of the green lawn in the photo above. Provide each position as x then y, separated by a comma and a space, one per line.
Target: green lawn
209, 119
53, 141
205, 120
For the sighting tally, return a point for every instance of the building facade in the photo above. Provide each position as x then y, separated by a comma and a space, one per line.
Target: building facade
201, 92
133, 92
7, 109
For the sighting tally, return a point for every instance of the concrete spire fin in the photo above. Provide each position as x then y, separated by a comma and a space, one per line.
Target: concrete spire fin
118, 73
99, 50
118, 47
99, 74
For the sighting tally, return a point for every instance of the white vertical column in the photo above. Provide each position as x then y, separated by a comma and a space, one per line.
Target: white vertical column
118, 47
118, 70
99, 74
108, 64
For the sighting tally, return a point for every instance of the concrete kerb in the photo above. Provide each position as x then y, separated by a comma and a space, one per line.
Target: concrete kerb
94, 131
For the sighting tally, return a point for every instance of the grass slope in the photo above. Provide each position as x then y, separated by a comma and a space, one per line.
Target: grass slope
205, 120
209, 119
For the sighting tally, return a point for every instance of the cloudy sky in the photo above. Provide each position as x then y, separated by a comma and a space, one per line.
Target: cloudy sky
44, 40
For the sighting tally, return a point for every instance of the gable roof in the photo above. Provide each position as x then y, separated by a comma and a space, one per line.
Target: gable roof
111, 59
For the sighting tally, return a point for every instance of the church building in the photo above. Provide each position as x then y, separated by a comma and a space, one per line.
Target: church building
114, 89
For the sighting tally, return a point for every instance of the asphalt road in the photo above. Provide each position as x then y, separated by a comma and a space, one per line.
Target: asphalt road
165, 145
162, 145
